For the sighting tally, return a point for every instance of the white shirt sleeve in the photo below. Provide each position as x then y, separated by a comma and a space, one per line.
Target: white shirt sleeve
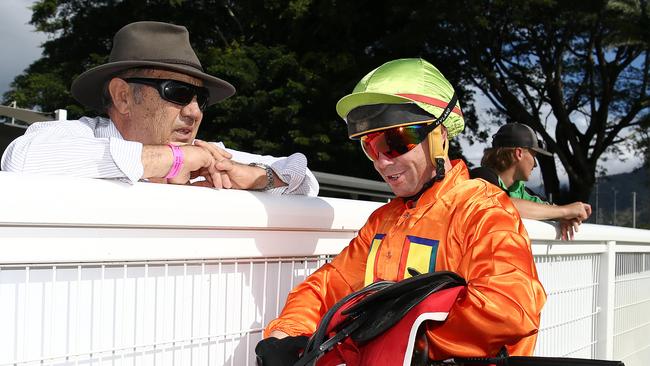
292, 170
72, 148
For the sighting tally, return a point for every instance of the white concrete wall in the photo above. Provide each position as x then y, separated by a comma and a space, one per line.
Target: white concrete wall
100, 272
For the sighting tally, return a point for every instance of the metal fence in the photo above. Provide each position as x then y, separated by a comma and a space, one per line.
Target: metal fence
212, 312
207, 312
631, 331
569, 319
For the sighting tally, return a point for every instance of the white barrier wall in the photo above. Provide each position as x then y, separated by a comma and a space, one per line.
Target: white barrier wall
99, 272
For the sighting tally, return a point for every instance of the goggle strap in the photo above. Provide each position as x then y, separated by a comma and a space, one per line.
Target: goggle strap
443, 116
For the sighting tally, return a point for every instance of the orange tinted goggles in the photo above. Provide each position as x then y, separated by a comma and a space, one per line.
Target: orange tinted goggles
395, 141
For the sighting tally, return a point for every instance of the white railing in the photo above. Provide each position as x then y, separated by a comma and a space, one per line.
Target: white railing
99, 272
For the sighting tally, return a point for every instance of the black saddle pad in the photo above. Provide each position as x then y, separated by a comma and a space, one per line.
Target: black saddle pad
504, 360
387, 306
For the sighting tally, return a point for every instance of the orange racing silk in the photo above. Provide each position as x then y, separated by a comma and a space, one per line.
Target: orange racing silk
466, 226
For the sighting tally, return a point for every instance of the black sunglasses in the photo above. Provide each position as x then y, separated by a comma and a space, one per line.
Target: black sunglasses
175, 91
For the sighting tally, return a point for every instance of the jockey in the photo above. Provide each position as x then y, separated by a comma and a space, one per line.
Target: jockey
403, 113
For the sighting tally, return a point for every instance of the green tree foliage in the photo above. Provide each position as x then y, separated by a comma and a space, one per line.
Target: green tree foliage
575, 71
274, 89
289, 60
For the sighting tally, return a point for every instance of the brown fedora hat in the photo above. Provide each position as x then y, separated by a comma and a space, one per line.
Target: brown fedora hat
147, 44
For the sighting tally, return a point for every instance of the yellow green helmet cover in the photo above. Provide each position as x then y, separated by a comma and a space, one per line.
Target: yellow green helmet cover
408, 80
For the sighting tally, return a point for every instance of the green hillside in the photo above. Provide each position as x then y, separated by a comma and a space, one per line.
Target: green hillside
621, 187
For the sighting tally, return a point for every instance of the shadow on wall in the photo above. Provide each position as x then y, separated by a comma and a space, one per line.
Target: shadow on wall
8, 133
278, 275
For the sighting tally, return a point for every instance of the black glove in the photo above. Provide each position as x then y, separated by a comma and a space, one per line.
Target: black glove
280, 352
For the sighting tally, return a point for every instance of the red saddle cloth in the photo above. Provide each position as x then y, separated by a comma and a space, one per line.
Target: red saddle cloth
395, 346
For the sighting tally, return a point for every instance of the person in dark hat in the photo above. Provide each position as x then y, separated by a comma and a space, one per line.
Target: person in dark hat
154, 91
509, 163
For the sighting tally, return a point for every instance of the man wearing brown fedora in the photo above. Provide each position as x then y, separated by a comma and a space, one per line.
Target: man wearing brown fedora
154, 92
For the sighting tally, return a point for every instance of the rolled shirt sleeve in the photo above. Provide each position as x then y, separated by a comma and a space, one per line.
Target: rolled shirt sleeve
292, 170
124, 155
88, 147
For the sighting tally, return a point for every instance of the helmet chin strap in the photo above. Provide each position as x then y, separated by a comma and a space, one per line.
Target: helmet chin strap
438, 150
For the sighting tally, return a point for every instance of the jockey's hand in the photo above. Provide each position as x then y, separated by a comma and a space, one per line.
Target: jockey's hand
280, 352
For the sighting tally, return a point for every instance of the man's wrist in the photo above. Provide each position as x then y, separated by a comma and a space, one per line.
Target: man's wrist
278, 334
269, 176
177, 164
567, 214
156, 161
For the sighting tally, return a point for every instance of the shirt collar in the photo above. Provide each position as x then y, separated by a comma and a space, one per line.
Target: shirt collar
105, 128
453, 176
516, 186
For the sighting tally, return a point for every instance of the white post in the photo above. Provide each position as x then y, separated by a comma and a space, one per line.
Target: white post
61, 114
634, 209
615, 191
605, 305
13, 105
597, 212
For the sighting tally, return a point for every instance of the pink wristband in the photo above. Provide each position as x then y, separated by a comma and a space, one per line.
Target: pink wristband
178, 161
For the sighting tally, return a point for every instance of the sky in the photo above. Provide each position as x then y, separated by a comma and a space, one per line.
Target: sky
611, 163
21, 46
19, 41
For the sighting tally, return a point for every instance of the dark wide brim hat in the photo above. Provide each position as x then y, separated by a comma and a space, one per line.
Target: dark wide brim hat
153, 45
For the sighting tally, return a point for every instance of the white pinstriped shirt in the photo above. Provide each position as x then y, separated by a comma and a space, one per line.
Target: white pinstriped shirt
94, 148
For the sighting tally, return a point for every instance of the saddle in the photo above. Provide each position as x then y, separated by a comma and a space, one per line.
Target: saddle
385, 324
373, 313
